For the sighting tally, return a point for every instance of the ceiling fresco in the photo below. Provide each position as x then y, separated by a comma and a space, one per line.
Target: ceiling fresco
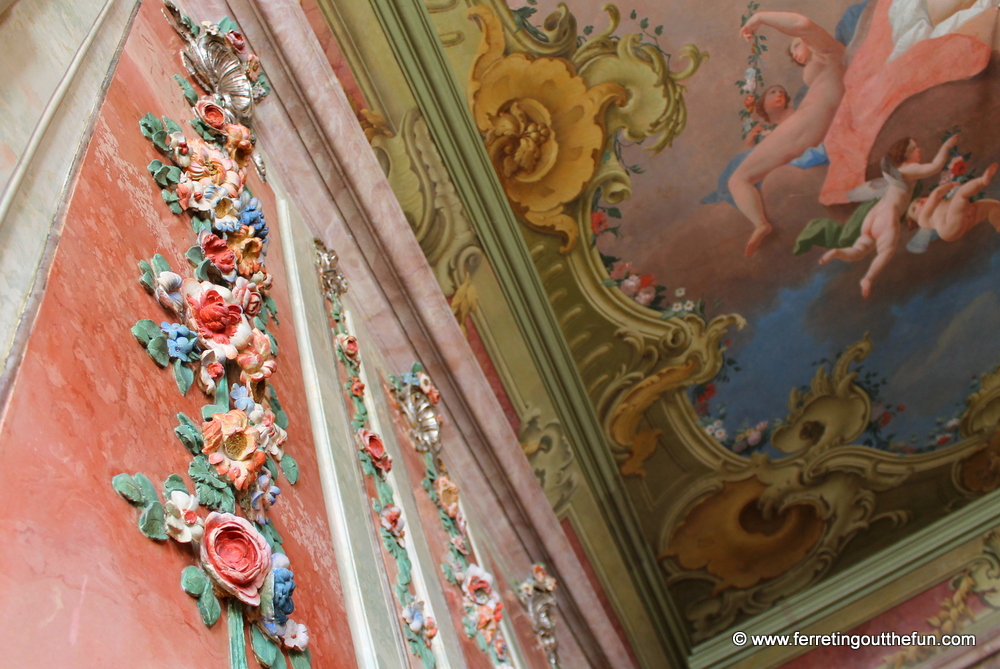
821, 235
767, 234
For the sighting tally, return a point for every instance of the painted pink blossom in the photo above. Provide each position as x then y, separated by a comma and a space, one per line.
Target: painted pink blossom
631, 285
620, 270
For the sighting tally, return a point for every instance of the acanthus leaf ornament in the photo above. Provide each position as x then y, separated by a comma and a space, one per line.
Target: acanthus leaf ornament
538, 595
212, 59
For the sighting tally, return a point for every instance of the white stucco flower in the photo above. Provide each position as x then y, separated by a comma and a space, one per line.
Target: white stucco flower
296, 635
183, 523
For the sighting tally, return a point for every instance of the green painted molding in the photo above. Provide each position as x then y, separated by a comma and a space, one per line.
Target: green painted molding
853, 584
442, 102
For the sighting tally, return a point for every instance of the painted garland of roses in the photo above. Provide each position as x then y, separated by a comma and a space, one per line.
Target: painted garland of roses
419, 628
216, 334
483, 606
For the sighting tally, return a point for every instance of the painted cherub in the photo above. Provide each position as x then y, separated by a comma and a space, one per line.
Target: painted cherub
773, 108
881, 229
953, 217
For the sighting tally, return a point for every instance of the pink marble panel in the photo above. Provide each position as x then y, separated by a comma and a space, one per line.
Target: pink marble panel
82, 586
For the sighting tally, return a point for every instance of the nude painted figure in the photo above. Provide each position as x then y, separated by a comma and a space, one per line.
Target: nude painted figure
821, 57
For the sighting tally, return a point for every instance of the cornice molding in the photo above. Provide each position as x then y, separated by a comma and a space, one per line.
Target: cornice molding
441, 101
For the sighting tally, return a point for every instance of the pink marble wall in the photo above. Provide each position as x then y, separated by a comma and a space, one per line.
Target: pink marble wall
82, 586
906, 618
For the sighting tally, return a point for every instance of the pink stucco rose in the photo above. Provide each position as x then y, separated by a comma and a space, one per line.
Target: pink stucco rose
235, 38
247, 294
349, 345
236, 556
256, 360
210, 113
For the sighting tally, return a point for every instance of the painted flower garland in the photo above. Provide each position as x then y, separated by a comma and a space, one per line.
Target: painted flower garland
483, 607
216, 334
419, 628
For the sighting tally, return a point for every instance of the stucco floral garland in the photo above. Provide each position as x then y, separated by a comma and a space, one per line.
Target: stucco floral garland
418, 627
216, 333
483, 606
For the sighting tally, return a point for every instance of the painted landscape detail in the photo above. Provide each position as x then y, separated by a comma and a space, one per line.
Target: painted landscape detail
855, 168
217, 335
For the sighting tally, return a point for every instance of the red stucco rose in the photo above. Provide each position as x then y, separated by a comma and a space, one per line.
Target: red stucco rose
216, 250
372, 444
212, 314
236, 556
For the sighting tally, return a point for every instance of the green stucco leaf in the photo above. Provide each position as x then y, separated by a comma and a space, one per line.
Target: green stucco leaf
265, 650
158, 351
183, 375
172, 483
151, 522
149, 493
210, 609
189, 94
213, 492
189, 433
194, 581
290, 468
145, 330
126, 486
301, 660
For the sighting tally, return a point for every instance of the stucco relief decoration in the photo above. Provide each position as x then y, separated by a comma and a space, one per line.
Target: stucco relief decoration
417, 398
416, 620
538, 595
216, 334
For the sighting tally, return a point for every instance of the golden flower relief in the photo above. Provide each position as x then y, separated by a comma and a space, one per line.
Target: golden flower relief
543, 127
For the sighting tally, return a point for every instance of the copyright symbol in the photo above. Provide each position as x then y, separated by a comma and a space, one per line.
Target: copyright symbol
740, 638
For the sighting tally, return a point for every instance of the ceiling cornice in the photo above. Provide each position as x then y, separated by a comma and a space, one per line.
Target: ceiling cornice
442, 102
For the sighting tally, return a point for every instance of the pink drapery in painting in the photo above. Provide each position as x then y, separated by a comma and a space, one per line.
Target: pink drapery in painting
875, 88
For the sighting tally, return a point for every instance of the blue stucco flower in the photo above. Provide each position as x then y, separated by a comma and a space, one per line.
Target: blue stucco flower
252, 214
242, 400
181, 342
263, 497
284, 586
